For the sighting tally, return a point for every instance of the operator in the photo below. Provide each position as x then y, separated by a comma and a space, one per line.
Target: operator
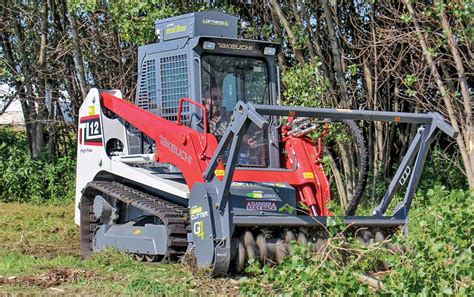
218, 122
218, 119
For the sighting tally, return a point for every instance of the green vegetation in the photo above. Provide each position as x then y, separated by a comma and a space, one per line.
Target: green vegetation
25, 179
40, 251
438, 258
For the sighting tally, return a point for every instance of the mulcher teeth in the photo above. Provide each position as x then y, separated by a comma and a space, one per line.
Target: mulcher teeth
270, 250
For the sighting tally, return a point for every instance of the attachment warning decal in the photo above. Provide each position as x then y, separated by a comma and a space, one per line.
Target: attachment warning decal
261, 205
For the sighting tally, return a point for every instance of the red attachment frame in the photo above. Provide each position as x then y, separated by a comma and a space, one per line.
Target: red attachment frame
304, 172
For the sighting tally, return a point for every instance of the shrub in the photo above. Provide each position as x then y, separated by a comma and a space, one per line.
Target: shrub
24, 179
438, 261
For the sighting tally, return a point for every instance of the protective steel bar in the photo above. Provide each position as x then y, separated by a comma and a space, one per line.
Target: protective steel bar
402, 171
350, 114
204, 116
308, 221
402, 209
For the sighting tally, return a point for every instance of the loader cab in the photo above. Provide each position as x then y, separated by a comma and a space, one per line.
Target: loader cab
199, 56
234, 70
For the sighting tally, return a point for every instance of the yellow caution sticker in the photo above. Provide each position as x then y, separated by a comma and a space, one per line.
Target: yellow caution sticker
175, 29
92, 110
255, 194
219, 172
196, 210
137, 232
308, 175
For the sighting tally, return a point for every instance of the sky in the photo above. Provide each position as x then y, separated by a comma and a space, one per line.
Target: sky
14, 106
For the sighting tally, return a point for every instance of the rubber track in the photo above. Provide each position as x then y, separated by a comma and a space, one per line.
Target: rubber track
173, 216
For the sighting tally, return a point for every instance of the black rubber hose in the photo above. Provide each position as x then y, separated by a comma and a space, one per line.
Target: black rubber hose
363, 165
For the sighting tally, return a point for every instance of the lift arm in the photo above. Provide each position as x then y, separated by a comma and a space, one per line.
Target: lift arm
176, 144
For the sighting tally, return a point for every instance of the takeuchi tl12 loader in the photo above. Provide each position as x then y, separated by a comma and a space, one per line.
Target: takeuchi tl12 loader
206, 162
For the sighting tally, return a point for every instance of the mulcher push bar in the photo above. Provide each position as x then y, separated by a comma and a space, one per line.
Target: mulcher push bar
408, 172
432, 118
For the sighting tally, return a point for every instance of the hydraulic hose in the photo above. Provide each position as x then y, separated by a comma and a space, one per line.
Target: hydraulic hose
363, 165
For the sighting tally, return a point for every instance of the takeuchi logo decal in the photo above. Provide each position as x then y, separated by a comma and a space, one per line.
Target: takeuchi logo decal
235, 46
175, 149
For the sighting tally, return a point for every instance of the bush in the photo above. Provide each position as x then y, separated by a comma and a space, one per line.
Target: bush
441, 169
23, 179
439, 258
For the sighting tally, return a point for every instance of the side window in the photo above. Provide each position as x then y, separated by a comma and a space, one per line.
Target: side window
256, 84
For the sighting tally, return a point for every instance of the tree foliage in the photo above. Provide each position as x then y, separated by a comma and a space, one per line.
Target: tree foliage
378, 55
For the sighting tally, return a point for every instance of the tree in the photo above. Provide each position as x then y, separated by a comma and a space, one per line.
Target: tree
382, 55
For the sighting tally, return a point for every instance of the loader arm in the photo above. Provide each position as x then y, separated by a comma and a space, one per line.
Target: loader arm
176, 144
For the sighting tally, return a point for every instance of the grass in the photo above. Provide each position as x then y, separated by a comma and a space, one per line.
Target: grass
39, 254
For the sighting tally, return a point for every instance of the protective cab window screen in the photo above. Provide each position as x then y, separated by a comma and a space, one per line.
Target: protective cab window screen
227, 80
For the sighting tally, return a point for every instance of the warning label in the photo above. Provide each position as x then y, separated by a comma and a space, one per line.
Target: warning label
261, 205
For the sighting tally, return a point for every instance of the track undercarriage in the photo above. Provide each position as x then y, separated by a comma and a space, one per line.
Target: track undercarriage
172, 217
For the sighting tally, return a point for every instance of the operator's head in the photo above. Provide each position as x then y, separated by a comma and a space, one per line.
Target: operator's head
214, 102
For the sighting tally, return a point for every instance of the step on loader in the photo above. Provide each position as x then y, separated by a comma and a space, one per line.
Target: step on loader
205, 161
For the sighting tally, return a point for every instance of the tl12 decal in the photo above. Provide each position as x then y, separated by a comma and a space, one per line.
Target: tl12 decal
90, 131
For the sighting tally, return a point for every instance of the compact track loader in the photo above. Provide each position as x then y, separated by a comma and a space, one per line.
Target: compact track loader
206, 162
